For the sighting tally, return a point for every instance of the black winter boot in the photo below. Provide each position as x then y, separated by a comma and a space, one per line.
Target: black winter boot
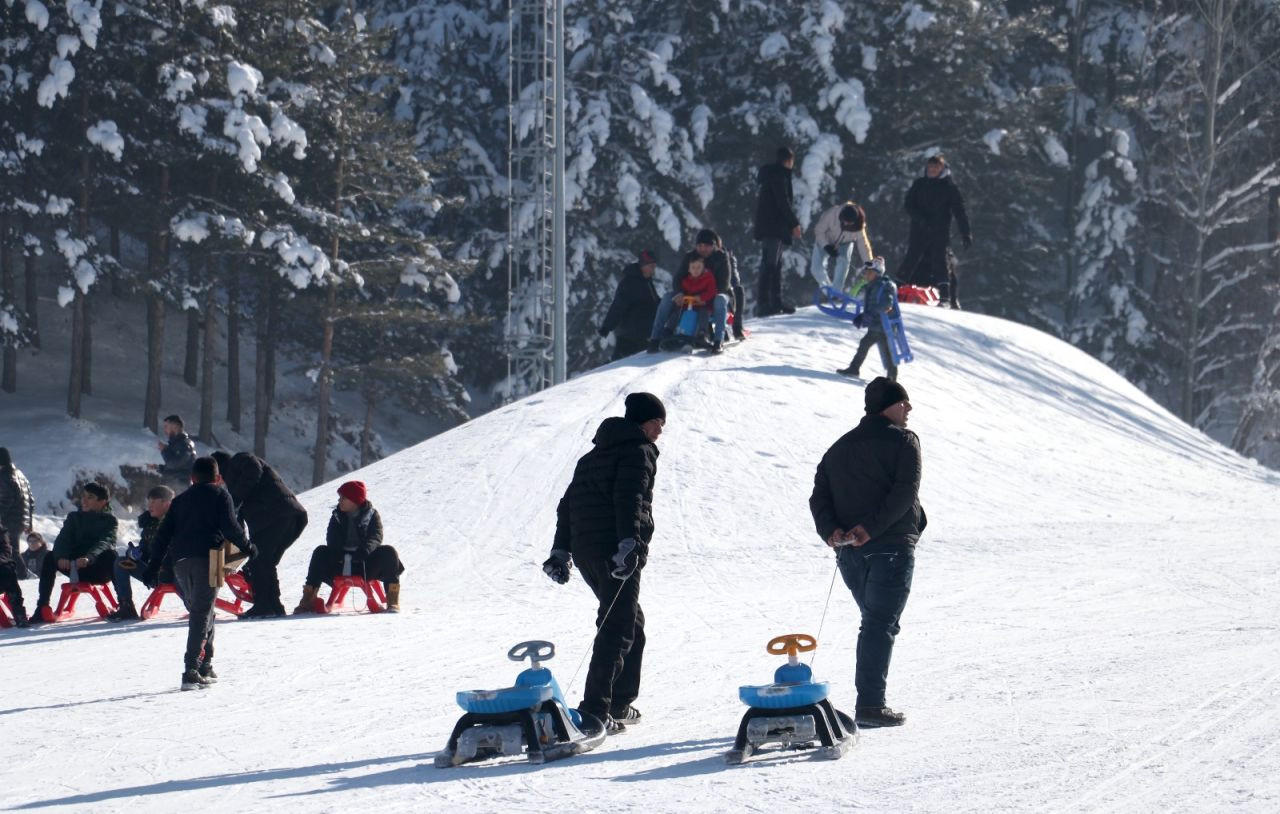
872, 717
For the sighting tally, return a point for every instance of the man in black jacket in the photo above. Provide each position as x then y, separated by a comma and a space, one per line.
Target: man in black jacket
775, 225
134, 565
931, 202
355, 531
9, 578
198, 522
866, 505
275, 519
630, 315
604, 523
17, 506
179, 453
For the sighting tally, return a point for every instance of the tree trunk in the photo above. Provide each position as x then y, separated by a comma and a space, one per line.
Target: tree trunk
210, 333
261, 392
86, 372
320, 452
233, 347
273, 321
1075, 171
157, 257
9, 378
79, 332
32, 284
191, 362
366, 431
117, 283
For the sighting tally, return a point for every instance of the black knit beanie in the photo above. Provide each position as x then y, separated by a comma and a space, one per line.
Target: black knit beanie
882, 393
643, 406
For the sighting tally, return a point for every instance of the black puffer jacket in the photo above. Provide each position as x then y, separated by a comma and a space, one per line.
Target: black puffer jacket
16, 503
635, 302
179, 456
611, 495
931, 203
871, 477
775, 208
9, 554
368, 529
261, 497
198, 521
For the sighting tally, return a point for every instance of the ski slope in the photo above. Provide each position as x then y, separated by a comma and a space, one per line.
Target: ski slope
1092, 625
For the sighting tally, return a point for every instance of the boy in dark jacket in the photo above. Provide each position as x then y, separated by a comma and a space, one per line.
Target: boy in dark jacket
134, 567
879, 297
604, 523
35, 555
931, 202
866, 505
775, 225
84, 550
355, 531
275, 519
198, 522
630, 315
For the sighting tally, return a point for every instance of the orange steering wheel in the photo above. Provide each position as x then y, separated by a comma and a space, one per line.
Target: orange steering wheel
791, 644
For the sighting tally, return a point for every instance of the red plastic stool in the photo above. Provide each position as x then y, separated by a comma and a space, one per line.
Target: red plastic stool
918, 294
372, 588
104, 601
6, 613
240, 590
152, 605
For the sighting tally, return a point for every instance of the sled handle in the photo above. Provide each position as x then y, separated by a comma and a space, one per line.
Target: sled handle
535, 650
791, 644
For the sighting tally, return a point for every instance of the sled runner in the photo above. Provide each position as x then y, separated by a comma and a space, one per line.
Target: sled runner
528, 718
793, 710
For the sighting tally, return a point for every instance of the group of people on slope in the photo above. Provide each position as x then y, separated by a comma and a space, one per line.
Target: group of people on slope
640, 318
865, 505
237, 499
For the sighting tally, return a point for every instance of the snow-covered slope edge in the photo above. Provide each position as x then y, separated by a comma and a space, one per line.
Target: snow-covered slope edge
1090, 626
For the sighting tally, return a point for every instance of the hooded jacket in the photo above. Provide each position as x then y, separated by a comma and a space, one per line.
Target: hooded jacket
775, 207
368, 530
931, 203
261, 498
871, 477
17, 506
828, 231
635, 302
611, 495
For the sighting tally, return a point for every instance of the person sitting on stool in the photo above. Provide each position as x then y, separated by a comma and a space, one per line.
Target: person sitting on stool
355, 532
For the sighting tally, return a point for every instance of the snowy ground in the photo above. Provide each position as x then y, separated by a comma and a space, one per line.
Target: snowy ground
1092, 626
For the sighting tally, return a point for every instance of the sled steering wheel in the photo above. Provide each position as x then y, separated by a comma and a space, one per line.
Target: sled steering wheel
791, 644
535, 650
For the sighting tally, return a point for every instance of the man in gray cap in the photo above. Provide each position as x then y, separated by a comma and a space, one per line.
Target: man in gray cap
604, 523
866, 505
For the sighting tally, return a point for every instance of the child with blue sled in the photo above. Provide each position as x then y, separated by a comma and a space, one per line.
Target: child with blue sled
883, 321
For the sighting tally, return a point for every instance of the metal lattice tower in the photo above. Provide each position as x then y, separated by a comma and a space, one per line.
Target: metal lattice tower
534, 330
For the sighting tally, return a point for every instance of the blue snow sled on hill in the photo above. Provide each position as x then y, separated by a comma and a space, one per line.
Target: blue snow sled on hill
529, 717
793, 710
836, 303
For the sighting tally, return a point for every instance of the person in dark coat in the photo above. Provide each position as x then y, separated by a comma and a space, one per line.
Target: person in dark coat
931, 202
275, 519
9, 586
198, 522
355, 531
84, 550
35, 555
879, 297
134, 566
630, 315
17, 506
775, 226
739, 293
179, 453
604, 523
866, 505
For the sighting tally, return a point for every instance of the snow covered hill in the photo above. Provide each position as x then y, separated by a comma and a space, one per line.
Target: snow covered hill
1092, 625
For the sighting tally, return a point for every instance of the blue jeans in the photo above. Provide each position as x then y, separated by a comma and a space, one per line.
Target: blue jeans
818, 265
879, 576
121, 580
665, 306
719, 314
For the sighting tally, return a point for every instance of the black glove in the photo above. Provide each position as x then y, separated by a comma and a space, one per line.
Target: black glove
966, 241
558, 566
860, 320
626, 560
250, 550
830, 249
603, 331
151, 576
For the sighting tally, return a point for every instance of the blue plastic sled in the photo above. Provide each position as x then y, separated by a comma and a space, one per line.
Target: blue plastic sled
793, 710
530, 717
837, 304
897, 336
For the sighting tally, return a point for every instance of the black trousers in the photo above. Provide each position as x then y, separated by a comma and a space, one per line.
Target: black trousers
613, 677
272, 541
9, 585
98, 571
191, 578
769, 294
326, 563
739, 310
625, 346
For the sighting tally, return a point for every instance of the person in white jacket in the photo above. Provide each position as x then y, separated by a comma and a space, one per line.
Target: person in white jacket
840, 232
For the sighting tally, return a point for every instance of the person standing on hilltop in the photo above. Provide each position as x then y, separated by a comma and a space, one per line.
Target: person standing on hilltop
776, 225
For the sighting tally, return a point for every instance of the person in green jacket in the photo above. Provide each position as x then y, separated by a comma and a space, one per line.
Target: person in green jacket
85, 549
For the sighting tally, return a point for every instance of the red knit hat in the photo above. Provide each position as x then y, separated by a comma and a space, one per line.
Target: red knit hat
354, 491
